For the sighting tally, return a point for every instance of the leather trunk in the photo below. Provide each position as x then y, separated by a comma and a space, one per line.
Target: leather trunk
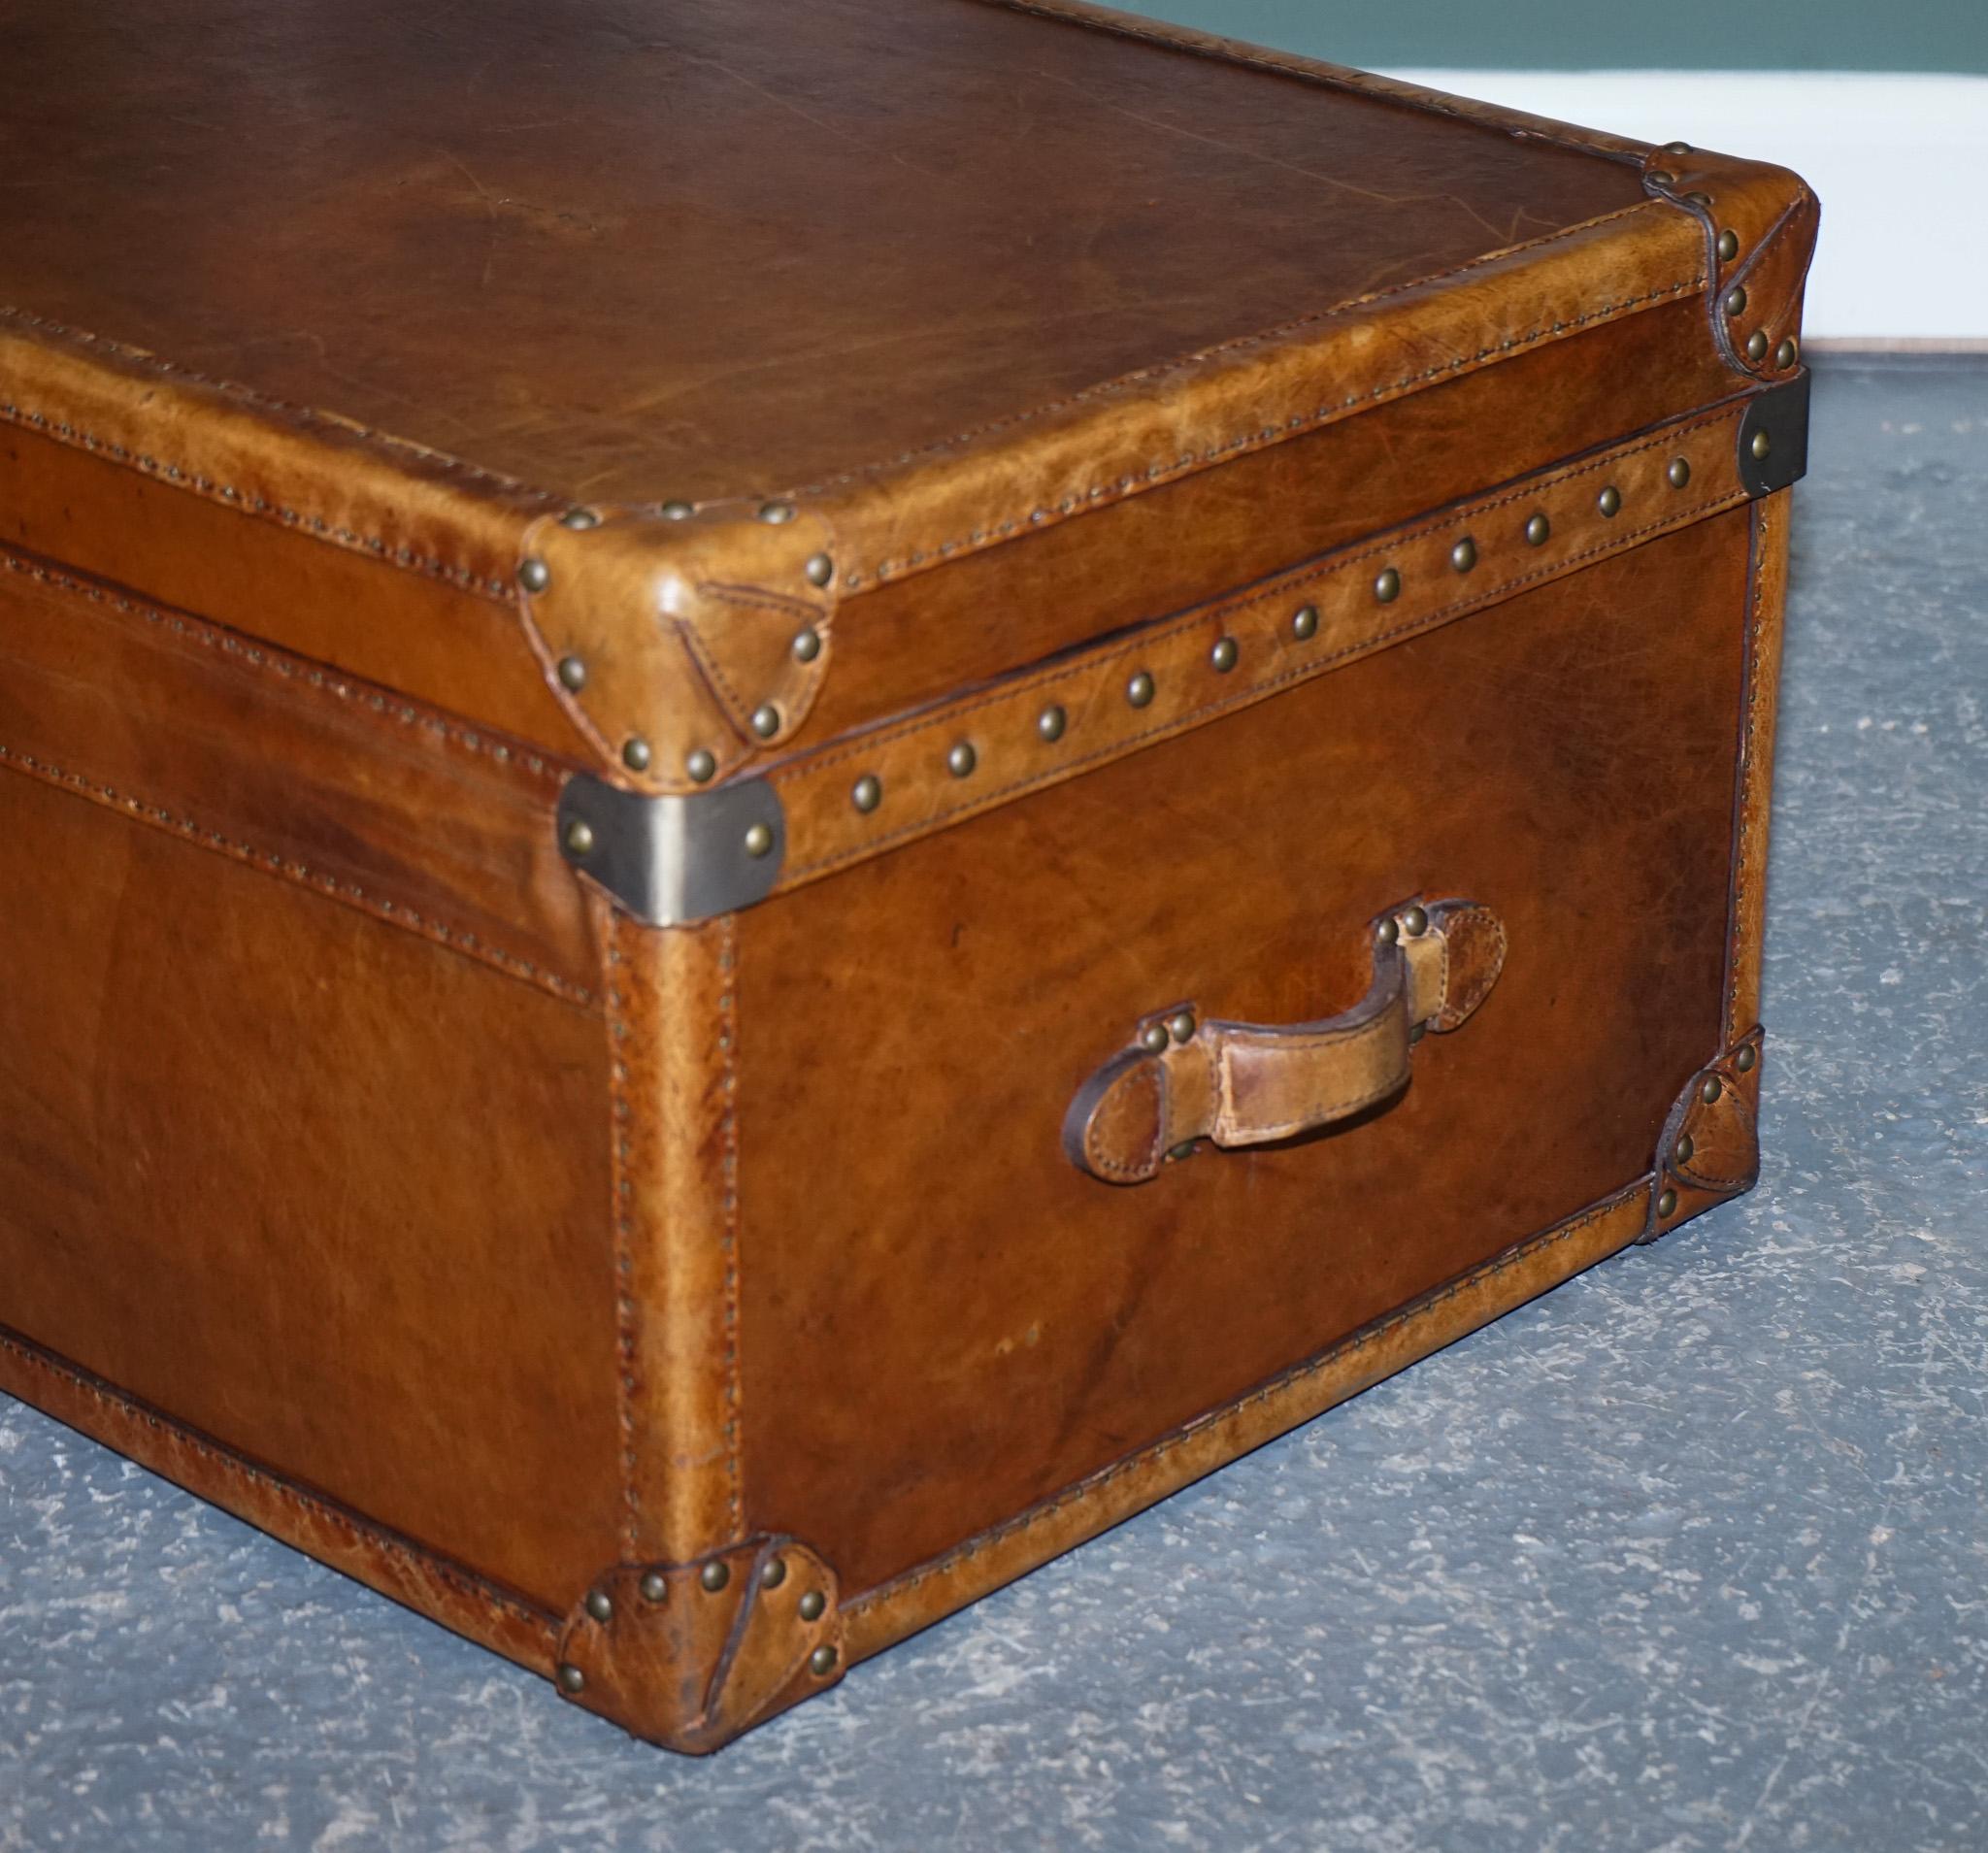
792, 796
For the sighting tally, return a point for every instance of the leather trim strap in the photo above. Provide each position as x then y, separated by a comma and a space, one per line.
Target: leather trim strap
494, 1618
1046, 725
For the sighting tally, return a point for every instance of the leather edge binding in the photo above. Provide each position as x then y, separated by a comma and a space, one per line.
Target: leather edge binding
308, 1521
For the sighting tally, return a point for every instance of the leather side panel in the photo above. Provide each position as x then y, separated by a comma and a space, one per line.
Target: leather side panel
931, 1289
348, 789
329, 1192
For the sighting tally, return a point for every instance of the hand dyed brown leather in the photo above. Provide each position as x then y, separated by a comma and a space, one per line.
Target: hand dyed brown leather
620, 681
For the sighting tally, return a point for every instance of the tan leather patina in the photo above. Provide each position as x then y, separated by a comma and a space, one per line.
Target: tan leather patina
1252, 1083
1274, 492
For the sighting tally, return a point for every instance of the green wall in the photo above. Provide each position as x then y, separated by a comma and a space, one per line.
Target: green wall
1582, 35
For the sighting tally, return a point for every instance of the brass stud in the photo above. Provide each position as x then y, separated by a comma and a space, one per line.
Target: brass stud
1788, 352
1700, 199
766, 720
678, 510
1729, 246
774, 1573
820, 569
1180, 1025
534, 575
1305, 624
807, 644
867, 793
701, 767
758, 841
772, 513
635, 754
1139, 690
600, 1605
580, 518
655, 1586
821, 1662
1176, 1154
811, 1606
1745, 1059
1388, 586
1538, 530
1756, 345
1686, 1145
572, 673
1414, 922
1678, 149
1153, 1038
1667, 1202
1662, 177
1049, 723
715, 1575
580, 838
962, 759
1464, 554
1760, 447
1388, 931
1713, 1087
1680, 471
1735, 300
1223, 656
1609, 501
571, 1679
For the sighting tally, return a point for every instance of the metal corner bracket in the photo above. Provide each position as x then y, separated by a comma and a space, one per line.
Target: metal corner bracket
671, 861
1773, 437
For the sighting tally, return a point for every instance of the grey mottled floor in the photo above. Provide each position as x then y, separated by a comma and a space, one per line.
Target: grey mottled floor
1690, 1555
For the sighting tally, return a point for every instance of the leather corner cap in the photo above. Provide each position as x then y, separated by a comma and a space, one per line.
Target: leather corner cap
1242, 1084
687, 637
1710, 1148
1760, 228
690, 1654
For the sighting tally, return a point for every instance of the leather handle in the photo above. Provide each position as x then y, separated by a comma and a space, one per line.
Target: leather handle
1249, 1083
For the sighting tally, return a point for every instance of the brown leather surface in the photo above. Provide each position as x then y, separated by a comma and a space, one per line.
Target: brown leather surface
1185, 1076
325, 1190
1753, 799
875, 1620
762, 246
1555, 760
1105, 715
361, 1169
494, 1618
385, 804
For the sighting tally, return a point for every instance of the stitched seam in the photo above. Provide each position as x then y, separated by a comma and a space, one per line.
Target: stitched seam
866, 746
290, 869
1238, 343
1295, 424
728, 1040
301, 419
1139, 1167
130, 1409
297, 673
1284, 586
1358, 1341
1749, 824
626, 1311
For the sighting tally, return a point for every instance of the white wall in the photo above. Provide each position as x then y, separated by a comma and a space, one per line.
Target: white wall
1900, 163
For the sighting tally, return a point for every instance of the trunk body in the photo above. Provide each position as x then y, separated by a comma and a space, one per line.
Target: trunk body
841, 872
